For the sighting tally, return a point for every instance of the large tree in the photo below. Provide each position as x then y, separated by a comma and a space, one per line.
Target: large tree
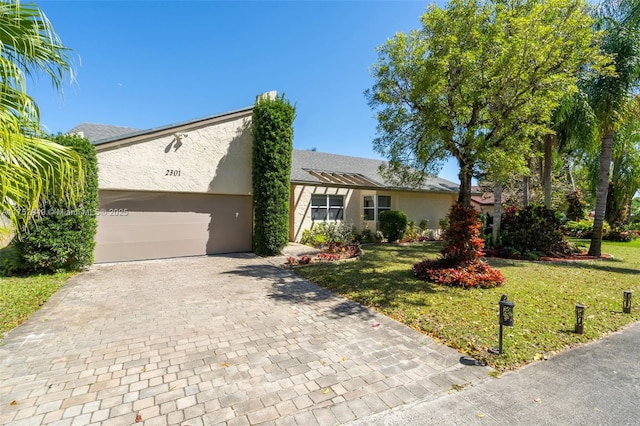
478, 81
610, 94
625, 165
30, 167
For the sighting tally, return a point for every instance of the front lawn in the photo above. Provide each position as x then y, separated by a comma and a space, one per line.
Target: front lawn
22, 296
545, 295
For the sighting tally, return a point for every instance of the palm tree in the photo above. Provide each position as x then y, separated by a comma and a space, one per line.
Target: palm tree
608, 94
31, 168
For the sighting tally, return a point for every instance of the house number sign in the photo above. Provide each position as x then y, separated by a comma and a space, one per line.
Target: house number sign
172, 172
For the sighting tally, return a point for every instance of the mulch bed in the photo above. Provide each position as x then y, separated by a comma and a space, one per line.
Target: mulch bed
575, 258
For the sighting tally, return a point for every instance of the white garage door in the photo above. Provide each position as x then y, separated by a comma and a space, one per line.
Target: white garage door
152, 225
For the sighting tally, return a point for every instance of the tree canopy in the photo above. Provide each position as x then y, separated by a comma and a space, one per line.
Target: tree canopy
477, 82
30, 166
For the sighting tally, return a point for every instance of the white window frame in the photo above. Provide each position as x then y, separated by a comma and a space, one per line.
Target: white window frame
330, 210
375, 207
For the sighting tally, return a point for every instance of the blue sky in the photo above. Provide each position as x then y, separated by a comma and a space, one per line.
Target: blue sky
145, 64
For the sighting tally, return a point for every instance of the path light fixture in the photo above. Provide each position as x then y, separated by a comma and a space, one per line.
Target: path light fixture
579, 319
506, 320
626, 301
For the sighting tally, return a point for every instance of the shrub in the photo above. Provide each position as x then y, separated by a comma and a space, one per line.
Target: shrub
533, 228
423, 225
393, 224
476, 274
63, 238
460, 264
9, 261
272, 149
324, 233
411, 233
365, 236
621, 234
576, 206
617, 209
580, 229
462, 241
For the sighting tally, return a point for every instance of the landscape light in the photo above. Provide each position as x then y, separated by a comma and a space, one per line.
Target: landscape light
579, 319
505, 320
626, 302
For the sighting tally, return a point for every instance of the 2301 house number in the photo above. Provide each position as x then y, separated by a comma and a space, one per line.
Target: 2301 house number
172, 172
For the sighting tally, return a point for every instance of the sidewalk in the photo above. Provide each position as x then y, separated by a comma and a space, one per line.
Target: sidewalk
595, 384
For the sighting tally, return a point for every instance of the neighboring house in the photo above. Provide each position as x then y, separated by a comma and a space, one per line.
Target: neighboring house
482, 201
185, 189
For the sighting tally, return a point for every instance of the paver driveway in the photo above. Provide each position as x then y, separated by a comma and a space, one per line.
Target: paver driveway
213, 340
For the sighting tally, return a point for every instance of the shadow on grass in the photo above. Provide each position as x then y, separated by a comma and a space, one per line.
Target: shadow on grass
605, 265
372, 282
601, 265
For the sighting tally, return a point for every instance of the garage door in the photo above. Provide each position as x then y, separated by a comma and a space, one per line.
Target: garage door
152, 225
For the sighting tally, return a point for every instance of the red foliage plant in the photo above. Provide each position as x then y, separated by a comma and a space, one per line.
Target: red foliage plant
460, 264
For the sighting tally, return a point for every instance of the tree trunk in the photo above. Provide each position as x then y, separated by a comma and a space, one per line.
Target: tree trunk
567, 167
497, 211
548, 165
464, 196
525, 191
595, 249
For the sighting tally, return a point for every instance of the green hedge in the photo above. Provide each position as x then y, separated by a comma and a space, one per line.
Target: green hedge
63, 238
393, 224
272, 129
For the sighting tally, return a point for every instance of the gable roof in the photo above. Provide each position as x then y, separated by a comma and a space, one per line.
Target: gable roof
100, 134
307, 167
96, 132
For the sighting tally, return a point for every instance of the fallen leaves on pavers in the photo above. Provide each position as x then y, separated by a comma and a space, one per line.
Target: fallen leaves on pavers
138, 418
224, 364
14, 402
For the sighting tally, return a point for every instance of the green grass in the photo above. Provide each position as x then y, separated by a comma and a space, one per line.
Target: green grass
545, 295
22, 296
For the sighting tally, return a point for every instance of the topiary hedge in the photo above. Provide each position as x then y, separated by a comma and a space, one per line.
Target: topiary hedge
393, 224
63, 237
272, 129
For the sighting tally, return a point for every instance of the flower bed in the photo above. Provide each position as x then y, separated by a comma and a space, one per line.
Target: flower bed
333, 253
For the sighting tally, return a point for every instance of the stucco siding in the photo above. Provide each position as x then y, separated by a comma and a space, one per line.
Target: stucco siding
419, 206
212, 158
300, 216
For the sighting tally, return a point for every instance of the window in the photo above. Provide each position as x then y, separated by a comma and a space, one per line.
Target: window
384, 203
369, 208
327, 207
371, 211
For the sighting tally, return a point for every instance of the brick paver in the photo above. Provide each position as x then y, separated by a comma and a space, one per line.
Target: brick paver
214, 340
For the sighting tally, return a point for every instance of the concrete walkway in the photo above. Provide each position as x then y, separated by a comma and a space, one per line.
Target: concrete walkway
229, 340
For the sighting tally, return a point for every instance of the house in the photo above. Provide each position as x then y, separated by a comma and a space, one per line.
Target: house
483, 202
351, 189
185, 189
